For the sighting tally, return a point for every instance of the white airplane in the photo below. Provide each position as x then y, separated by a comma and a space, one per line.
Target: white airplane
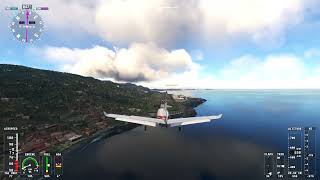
162, 118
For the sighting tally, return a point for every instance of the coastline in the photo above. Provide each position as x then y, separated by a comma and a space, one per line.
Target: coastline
189, 111
106, 133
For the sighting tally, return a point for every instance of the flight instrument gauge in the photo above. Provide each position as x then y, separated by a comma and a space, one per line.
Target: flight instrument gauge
27, 26
30, 166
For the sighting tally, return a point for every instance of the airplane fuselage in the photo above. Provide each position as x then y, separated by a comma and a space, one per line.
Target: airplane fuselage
162, 118
163, 114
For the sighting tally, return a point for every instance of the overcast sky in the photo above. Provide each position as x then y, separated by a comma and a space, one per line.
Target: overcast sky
175, 43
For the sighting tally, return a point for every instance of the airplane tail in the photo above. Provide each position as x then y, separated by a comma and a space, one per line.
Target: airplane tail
164, 102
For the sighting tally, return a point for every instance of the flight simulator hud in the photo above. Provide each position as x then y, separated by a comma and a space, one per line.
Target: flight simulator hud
159, 89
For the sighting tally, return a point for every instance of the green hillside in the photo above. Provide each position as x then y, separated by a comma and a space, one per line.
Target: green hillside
44, 96
51, 107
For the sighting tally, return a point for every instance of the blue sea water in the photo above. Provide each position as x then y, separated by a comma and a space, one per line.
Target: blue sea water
254, 122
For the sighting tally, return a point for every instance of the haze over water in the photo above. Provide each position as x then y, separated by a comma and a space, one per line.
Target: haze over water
253, 122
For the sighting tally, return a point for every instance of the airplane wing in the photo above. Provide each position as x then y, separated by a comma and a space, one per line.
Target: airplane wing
192, 120
136, 119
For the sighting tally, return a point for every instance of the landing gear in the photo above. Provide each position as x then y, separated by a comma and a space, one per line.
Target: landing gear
179, 128
145, 128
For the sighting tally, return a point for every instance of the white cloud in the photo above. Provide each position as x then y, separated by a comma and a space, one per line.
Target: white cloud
313, 52
148, 25
70, 16
264, 21
197, 54
123, 22
144, 21
277, 71
139, 62
273, 71
187, 79
154, 67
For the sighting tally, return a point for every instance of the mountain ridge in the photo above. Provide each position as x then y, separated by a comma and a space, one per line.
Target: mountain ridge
50, 94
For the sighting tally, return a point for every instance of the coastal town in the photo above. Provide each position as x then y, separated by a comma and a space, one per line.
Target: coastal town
70, 130
56, 111
59, 112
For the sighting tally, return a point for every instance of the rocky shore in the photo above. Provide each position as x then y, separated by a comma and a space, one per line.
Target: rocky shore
190, 105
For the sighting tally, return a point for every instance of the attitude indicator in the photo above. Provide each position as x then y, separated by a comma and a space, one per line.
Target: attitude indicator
27, 25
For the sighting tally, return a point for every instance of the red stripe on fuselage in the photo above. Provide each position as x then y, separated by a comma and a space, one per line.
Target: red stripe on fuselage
162, 117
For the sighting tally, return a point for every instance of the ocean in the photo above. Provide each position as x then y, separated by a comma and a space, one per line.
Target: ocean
254, 122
